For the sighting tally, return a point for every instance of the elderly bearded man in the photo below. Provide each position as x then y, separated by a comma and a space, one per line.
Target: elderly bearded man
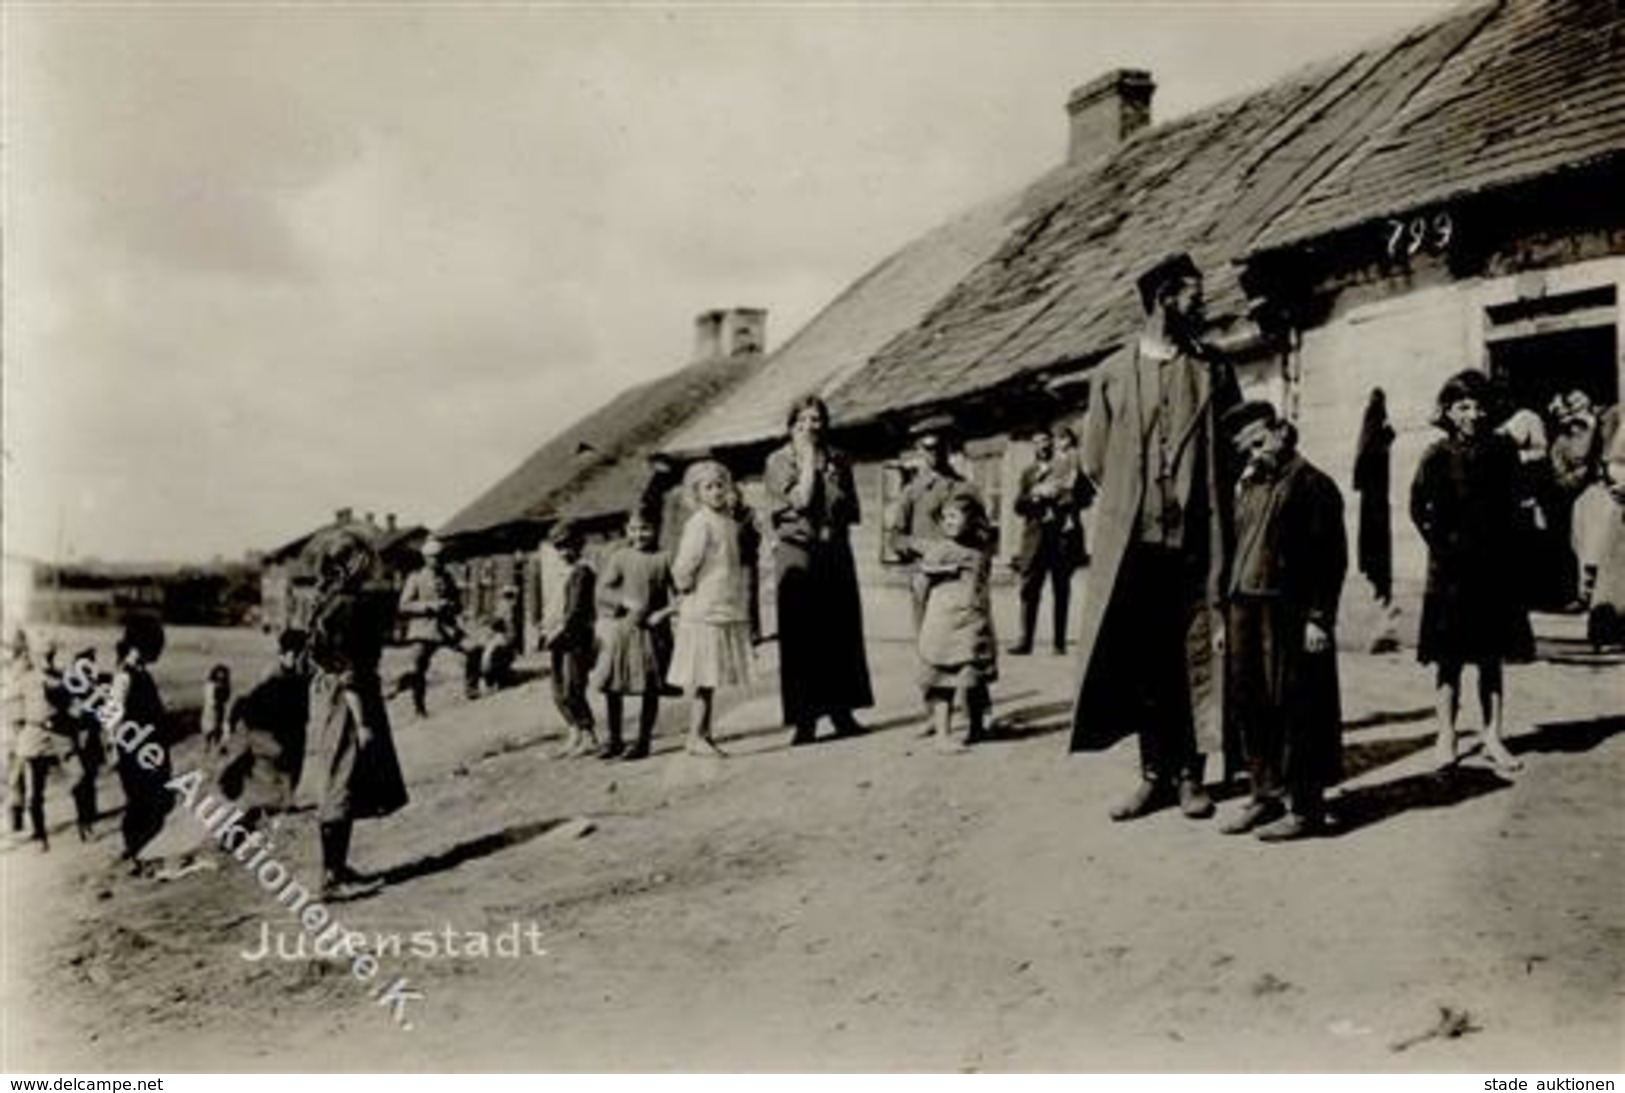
1151, 640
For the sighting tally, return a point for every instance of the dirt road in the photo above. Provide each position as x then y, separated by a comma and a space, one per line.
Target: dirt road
870, 904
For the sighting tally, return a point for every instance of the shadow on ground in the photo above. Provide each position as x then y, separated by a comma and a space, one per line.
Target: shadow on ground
454, 856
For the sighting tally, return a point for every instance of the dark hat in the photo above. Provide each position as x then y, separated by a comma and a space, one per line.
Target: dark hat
1470, 383
291, 641
1239, 417
1172, 267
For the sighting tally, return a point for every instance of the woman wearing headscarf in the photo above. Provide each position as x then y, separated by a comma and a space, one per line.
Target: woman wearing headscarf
355, 747
1464, 504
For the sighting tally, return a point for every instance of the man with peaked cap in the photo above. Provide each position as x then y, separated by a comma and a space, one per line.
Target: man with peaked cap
917, 516
1285, 581
433, 607
1151, 638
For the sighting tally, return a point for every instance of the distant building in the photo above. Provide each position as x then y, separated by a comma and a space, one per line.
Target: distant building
595, 471
288, 578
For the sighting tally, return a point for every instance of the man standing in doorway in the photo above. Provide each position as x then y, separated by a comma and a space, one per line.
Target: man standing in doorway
1152, 633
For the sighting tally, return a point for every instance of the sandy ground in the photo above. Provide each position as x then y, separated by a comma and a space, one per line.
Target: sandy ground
870, 904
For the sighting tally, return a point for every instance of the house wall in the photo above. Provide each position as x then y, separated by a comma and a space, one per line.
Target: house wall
1408, 344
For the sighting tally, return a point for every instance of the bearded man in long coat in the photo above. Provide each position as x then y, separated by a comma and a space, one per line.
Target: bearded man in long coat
1151, 641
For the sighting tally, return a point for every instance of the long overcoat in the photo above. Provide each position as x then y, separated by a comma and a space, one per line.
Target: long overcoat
1297, 538
1112, 453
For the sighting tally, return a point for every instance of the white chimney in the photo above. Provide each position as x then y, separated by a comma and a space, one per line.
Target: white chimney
1107, 111
729, 332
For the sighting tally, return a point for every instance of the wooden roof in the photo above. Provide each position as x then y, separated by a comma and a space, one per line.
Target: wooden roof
599, 460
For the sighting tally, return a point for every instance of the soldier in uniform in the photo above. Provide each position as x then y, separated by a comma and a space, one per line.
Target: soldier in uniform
433, 607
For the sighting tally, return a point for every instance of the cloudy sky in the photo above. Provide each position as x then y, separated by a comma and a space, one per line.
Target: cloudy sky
263, 262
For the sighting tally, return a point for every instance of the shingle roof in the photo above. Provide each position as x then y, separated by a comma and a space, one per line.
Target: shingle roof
1059, 291
598, 460
1540, 89
838, 340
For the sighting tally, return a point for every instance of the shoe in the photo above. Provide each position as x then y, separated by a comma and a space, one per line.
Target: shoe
1023, 649
1255, 814
634, 753
1147, 798
612, 750
348, 887
1292, 826
1193, 800
803, 736
1060, 648
848, 727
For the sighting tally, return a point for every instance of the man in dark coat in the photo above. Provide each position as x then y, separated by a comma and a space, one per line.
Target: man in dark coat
1287, 574
1047, 500
1151, 638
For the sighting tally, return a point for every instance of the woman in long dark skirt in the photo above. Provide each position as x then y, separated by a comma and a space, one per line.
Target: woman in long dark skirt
813, 504
1464, 503
355, 747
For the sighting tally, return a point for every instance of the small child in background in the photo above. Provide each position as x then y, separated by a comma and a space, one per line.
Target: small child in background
89, 748
713, 616
956, 634
216, 703
635, 591
266, 753
571, 644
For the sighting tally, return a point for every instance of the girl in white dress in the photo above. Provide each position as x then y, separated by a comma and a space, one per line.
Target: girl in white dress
713, 617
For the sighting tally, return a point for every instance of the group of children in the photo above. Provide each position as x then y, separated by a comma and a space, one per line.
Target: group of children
684, 622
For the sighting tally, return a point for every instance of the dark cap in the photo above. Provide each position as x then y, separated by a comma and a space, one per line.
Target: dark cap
1172, 267
1239, 417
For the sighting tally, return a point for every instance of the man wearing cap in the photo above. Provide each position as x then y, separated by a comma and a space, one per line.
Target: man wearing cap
1151, 637
432, 607
1286, 577
917, 516
1048, 498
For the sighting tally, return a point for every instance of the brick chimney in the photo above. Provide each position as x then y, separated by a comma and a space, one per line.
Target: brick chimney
729, 332
707, 335
744, 330
344, 515
390, 524
1107, 111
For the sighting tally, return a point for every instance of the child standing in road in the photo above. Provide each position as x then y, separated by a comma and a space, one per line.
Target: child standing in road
956, 634
571, 643
713, 617
635, 592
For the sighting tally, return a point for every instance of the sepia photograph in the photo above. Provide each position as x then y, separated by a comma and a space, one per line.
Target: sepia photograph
727, 538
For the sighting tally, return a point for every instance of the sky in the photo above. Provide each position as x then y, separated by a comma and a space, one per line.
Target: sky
265, 261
